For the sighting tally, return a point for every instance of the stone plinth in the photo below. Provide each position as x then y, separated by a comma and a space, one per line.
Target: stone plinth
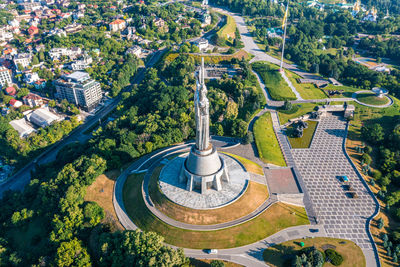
176, 190
203, 170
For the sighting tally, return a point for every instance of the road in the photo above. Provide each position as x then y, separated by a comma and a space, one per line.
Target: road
22, 177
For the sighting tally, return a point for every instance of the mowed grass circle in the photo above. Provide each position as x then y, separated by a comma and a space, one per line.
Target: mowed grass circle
372, 99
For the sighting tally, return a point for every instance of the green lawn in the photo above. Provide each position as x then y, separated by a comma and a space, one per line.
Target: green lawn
250, 166
276, 85
227, 32
305, 140
308, 90
348, 90
279, 216
372, 99
303, 109
278, 255
266, 141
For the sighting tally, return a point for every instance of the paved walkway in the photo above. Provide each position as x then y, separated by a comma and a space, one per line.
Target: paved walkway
251, 255
289, 82
320, 166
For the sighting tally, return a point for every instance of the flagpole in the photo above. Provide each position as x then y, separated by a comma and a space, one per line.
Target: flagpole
284, 34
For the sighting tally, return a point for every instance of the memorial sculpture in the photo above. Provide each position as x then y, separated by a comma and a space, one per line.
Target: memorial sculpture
203, 169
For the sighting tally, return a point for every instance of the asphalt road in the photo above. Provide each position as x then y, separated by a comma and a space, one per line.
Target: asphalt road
23, 176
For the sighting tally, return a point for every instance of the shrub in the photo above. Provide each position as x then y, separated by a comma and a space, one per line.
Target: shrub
217, 263
367, 149
294, 109
333, 257
366, 158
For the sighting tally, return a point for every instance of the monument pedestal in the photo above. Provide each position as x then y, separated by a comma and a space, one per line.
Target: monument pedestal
203, 170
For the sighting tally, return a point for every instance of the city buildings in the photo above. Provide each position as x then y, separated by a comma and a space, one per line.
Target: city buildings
78, 88
5, 76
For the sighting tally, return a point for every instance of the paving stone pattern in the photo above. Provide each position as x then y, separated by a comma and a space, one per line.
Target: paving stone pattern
342, 217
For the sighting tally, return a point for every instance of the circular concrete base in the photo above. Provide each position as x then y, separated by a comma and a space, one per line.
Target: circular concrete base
177, 193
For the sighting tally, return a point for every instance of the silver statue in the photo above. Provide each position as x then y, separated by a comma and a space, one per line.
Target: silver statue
201, 107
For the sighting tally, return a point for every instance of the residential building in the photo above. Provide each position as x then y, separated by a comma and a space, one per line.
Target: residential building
11, 91
24, 59
42, 117
78, 88
32, 30
33, 100
5, 76
6, 35
135, 50
73, 28
40, 84
117, 25
22, 127
31, 77
202, 44
58, 32
56, 53
15, 103
82, 63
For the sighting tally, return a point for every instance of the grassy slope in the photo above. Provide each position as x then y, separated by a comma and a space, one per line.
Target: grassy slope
266, 141
305, 140
277, 217
352, 254
248, 164
276, 85
307, 91
227, 32
304, 109
255, 195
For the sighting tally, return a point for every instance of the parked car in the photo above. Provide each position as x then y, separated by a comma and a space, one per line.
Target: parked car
344, 178
211, 251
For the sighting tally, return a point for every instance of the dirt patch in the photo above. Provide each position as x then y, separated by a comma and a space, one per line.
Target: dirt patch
101, 192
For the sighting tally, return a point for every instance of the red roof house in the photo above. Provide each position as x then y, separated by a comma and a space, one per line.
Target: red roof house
11, 91
15, 103
33, 30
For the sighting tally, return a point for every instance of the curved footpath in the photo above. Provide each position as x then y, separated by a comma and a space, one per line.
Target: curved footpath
194, 227
390, 102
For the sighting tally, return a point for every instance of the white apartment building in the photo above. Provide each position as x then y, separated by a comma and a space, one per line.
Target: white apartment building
5, 76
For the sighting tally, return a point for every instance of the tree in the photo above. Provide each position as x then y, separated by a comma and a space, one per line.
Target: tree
35, 60
249, 138
72, 253
217, 263
373, 133
94, 213
287, 105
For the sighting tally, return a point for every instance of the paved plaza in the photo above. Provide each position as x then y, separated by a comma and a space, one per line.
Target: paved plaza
176, 192
319, 166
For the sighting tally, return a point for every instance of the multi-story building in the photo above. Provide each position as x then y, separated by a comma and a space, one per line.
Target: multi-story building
56, 53
78, 88
135, 50
32, 100
23, 58
5, 76
117, 25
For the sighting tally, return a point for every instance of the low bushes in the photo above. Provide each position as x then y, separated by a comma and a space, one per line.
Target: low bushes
333, 257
